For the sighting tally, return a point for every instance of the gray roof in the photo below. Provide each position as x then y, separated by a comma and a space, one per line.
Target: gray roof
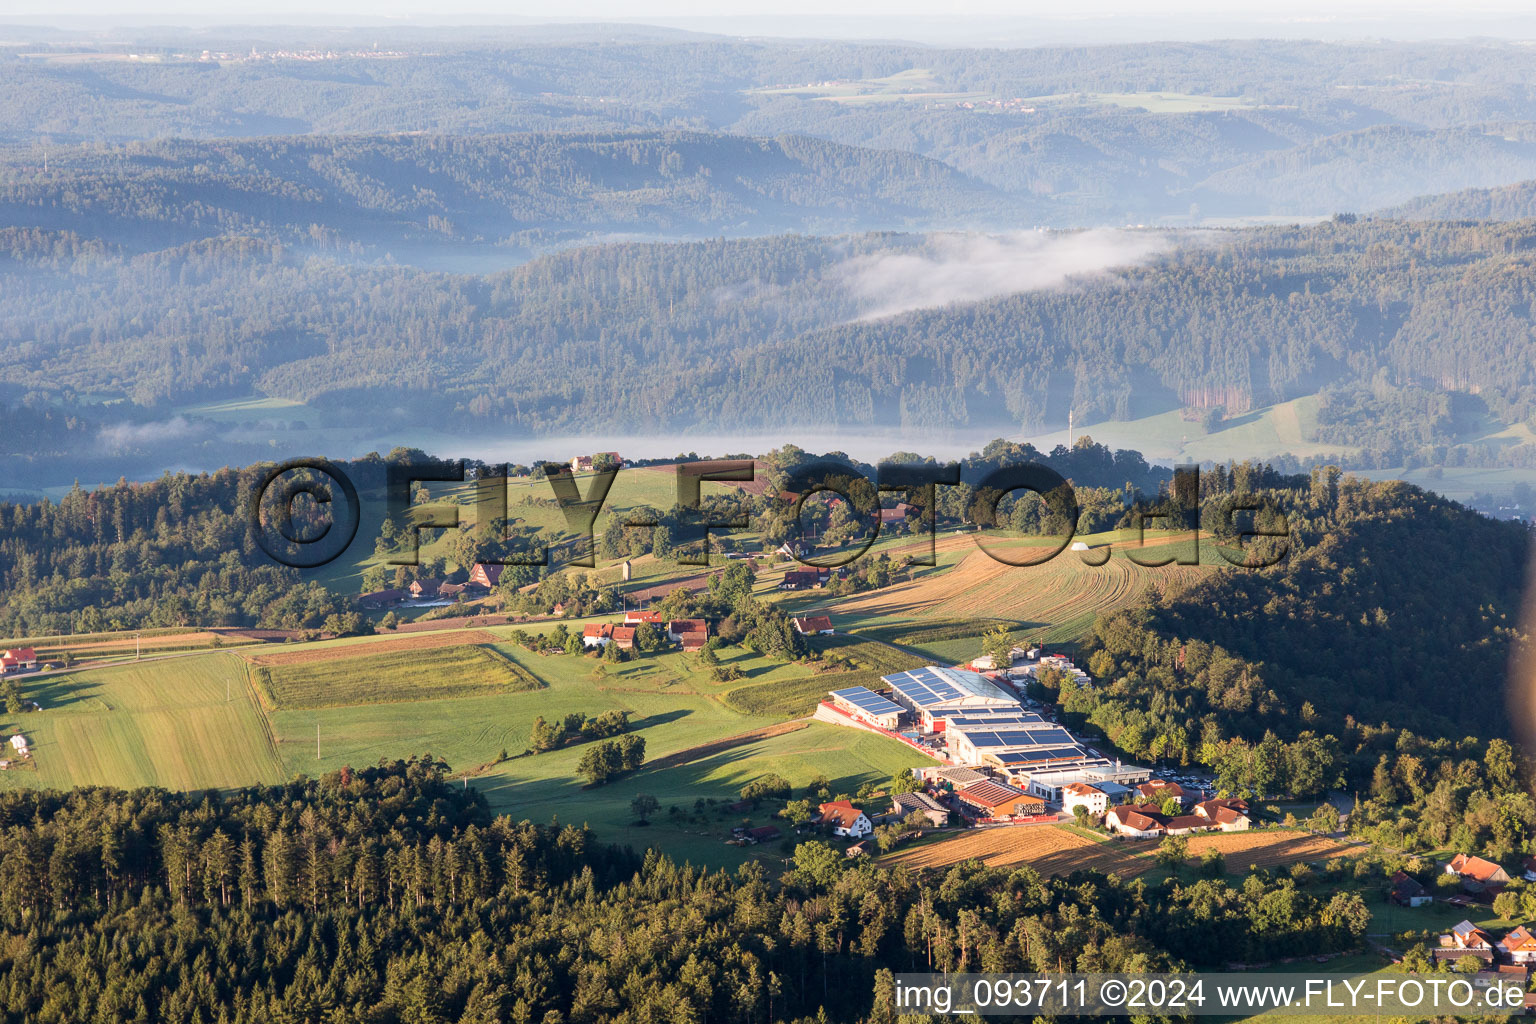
934, 686
917, 802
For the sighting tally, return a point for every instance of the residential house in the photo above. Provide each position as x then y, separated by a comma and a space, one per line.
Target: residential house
677, 627
1130, 820
899, 514
485, 575
451, 589
845, 819
585, 463
903, 805
1406, 891
1157, 790
424, 588
1519, 946
693, 640
1465, 939
1080, 794
596, 634
859, 849
810, 625
1530, 869
1478, 876
1184, 824
634, 618
20, 659
1229, 815
995, 800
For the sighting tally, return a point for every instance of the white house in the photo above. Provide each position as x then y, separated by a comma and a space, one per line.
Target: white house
1130, 822
1080, 794
846, 819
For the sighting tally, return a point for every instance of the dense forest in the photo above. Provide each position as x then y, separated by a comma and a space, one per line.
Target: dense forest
853, 333
383, 894
1274, 127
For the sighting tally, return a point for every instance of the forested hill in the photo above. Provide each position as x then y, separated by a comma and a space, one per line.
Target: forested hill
1395, 611
1507, 202
408, 193
1415, 337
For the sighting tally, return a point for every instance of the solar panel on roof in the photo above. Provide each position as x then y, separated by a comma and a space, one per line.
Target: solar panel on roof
868, 701
932, 685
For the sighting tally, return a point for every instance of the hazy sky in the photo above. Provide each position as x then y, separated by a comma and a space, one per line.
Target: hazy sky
230, 11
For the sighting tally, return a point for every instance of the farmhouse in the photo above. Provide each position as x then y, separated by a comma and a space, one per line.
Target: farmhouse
1158, 790
624, 636
693, 641
585, 463
1478, 876
845, 819
424, 588
1406, 891
904, 805
1080, 794
995, 800
677, 628
812, 625
1227, 814
634, 618
597, 634
1129, 820
805, 579
1184, 824
933, 689
763, 834
18, 659
899, 514
485, 575
867, 706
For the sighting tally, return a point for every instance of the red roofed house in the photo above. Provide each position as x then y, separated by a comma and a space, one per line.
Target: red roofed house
1184, 824
1080, 794
693, 641
624, 636
485, 574
1229, 815
995, 800
812, 624
677, 627
382, 598
845, 819
1158, 790
1519, 945
635, 618
17, 659
1477, 875
1129, 820
596, 634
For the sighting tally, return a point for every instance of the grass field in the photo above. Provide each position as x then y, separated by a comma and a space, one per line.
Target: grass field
182, 723
1049, 849
435, 673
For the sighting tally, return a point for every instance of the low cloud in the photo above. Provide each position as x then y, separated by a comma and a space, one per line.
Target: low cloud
119, 436
969, 268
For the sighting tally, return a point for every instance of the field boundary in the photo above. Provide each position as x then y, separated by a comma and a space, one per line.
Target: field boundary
469, 638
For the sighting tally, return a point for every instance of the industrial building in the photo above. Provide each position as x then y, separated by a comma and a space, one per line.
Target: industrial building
932, 691
867, 706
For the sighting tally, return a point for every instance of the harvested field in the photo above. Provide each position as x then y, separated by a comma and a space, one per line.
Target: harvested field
371, 649
1244, 850
1046, 848
1063, 593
